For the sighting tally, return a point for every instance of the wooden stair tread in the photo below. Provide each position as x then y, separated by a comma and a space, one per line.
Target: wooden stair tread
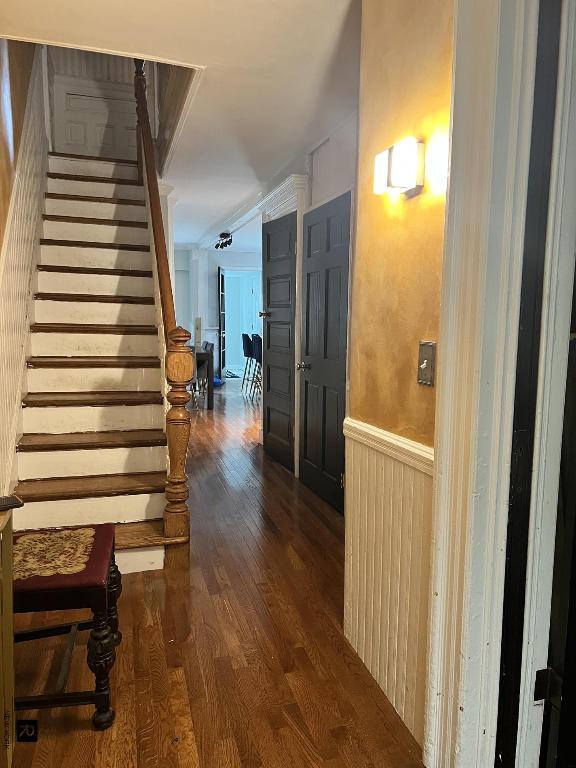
94, 297
99, 361
94, 199
100, 222
70, 156
147, 533
134, 438
72, 399
92, 244
100, 328
92, 179
94, 271
90, 486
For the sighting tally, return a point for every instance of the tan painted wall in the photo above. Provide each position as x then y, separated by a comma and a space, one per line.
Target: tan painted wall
405, 91
15, 67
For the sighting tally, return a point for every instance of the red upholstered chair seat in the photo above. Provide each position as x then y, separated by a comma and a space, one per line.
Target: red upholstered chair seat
60, 568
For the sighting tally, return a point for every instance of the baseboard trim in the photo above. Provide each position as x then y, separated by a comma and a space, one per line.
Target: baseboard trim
416, 455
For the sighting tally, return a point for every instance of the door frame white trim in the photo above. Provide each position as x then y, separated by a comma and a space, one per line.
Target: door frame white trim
493, 78
553, 360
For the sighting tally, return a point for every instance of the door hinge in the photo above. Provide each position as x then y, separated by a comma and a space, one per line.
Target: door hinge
343, 480
548, 685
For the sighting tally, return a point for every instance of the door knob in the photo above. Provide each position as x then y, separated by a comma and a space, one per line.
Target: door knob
264, 314
303, 366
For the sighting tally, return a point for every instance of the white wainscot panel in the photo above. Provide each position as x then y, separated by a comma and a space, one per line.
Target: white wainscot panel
387, 581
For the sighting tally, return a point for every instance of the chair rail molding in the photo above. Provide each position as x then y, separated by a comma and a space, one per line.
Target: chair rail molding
416, 455
493, 82
387, 574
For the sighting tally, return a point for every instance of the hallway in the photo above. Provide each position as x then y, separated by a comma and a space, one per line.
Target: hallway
241, 661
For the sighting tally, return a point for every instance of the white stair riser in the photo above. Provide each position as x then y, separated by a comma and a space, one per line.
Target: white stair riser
46, 311
95, 210
98, 258
139, 560
97, 233
106, 509
107, 285
89, 344
79, 167
34, 465
95, 189
93, 380
56, 420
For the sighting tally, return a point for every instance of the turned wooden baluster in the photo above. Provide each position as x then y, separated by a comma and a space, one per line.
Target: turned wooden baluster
179, 358
179, 372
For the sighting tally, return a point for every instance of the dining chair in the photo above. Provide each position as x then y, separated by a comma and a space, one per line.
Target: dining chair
256, 386
248, 349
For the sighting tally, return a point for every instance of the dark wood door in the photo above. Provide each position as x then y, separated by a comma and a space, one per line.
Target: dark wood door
278, 295
558, 682
323, 365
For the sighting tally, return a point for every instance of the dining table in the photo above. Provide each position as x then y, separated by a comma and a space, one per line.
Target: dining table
202, 356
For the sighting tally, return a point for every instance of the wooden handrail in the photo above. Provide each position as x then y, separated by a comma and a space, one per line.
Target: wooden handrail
149, 154
179, 359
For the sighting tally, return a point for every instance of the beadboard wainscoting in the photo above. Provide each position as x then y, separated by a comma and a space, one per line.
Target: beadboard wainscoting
388, 532
18, 259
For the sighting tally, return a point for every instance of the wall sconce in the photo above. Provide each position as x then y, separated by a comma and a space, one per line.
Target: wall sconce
400, 168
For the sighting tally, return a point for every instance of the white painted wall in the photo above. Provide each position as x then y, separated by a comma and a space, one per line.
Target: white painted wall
18, 259
91, 66
196, 284
333, 163
243, 303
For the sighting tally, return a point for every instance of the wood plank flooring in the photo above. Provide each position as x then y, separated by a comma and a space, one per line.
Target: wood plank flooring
241, 660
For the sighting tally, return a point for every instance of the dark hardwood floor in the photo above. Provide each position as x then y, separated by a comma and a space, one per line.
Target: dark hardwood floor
240, 661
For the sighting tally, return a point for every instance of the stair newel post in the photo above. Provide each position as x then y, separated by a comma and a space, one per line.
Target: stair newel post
179, 373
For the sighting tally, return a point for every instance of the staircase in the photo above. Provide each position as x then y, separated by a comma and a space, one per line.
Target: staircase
93, 447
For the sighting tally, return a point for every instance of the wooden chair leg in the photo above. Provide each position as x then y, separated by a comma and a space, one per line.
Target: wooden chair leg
114, 592
101, 657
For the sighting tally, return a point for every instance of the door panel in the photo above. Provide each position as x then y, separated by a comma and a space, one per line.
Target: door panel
324, 328
92, 118
279, 279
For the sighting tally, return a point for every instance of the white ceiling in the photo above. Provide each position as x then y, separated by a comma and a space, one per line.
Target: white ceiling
278, 77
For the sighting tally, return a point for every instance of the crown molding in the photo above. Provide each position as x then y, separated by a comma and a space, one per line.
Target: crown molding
283, 199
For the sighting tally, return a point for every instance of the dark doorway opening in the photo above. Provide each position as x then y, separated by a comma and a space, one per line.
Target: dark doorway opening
535, 234
558, 681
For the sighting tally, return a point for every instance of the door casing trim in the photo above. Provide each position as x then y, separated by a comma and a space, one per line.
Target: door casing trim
493, 78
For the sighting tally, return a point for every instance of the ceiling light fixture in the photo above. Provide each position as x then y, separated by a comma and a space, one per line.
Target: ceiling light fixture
224, 240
